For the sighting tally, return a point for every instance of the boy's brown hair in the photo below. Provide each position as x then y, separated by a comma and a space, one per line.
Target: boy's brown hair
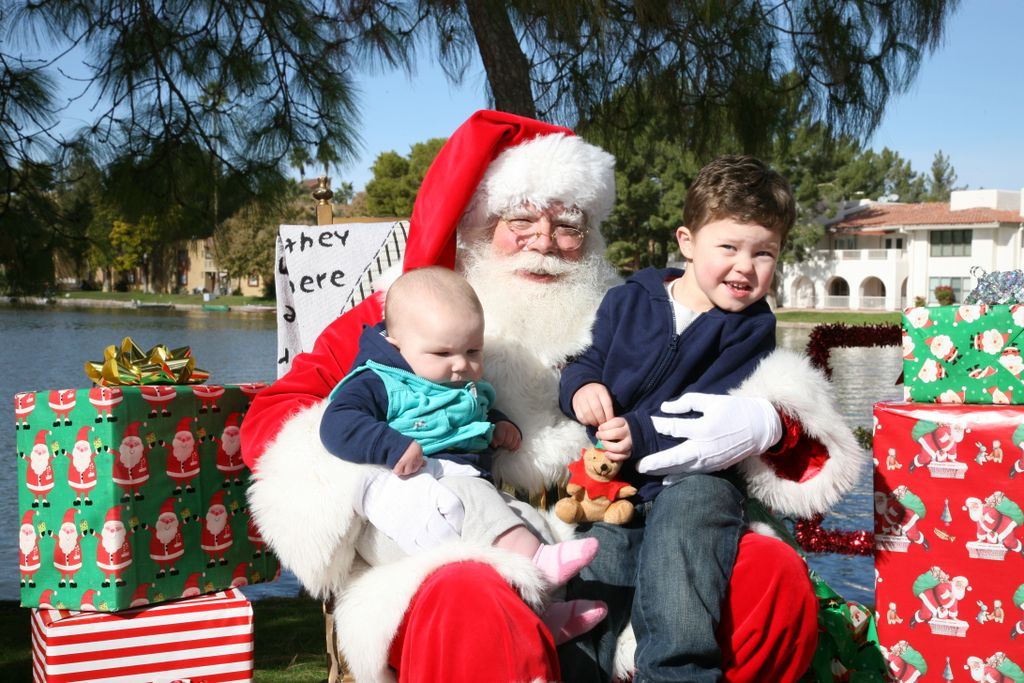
743, 188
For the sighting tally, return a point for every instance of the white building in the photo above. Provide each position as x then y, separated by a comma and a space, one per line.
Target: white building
882, 256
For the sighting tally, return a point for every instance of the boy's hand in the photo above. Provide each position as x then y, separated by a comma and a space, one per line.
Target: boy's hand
506, 435
592, 404
615, 438
411, 461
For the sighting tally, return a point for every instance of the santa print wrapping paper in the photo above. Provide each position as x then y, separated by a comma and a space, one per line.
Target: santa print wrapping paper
949, 540
963, 354
208, 639
133, 495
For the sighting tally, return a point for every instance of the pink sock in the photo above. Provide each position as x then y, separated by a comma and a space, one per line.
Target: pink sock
562, 561
567, 620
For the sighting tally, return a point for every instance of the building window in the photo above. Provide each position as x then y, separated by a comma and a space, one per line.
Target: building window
848, 242
254, 280
893, 242
950, 242
960, 285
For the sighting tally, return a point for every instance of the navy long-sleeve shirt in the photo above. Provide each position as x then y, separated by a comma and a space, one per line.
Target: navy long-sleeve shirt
636, 353
354, 426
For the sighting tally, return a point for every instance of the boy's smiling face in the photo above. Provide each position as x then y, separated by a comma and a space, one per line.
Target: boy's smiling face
730, 265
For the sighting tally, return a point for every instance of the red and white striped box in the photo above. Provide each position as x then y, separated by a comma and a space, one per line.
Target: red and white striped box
207, 639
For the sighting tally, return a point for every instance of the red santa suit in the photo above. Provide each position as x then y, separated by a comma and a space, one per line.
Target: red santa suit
939, 445
62, 402
67, 551
229, 451
183, 456
82, 471
159, 398
39, 474
104, 400
166, 543
994, 526
130, 469
902, 520
441, 591
942, 601
253, 534
113, 552
29, 560
217, 537
24, 404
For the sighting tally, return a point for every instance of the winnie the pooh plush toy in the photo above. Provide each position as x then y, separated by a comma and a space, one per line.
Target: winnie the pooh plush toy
594, 495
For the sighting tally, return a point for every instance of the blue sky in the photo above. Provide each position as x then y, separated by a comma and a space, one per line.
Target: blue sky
968, 101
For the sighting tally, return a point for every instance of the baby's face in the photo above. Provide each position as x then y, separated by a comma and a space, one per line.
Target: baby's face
442, 346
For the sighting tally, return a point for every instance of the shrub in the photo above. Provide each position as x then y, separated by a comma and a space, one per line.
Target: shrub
919, 301
944, 295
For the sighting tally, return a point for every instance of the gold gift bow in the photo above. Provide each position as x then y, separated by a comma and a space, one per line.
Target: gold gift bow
130, 366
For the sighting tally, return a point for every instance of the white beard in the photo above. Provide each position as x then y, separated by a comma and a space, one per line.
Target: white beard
131, 451
230, 441
216, 519
81, 456
112, 539
39, 459
531, 330
27, 540
166, 531
182, 447
67, 540
552, 319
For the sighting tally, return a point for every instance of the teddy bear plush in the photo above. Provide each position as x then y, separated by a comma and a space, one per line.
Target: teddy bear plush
594, 494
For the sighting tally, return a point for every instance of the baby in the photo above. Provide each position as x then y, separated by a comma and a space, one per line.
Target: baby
416, 402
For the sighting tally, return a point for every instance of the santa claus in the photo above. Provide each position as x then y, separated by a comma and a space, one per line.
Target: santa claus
130, 469
28, 550
229, 452
191, 588
104, 400
255, 539
898, 514
183, 457
938, 443
88, 602
539, 305
39, 474
217, 536
140, 596
82, 472
159, 398
939, 594
113, 552
997, 519
62, 402
67, 552
24, 404
166, 543
906, 664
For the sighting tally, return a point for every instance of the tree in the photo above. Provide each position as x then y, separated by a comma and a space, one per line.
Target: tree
942, 180
396, 179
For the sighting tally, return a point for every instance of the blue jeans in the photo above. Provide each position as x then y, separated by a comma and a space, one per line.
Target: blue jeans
668, 573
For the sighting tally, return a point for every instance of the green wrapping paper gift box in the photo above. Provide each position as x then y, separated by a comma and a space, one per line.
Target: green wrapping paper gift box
131, 495
963, 354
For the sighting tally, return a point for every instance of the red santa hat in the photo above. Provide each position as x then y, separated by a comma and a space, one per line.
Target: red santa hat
495, 161
113, 514
27, 518
232, 420
46, 598
83, 434
217, 498
167, 507
193, 580
132, 429
41, 437
184, 425
88, 598
240, 576
69, 517
141, 594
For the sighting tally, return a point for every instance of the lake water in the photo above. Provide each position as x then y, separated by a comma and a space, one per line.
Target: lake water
46, 349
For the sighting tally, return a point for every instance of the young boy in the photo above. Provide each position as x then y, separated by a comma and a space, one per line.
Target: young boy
417, 390
662, 333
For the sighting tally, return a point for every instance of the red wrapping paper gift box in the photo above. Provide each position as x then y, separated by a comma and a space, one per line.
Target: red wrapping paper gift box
949, 540
207, 639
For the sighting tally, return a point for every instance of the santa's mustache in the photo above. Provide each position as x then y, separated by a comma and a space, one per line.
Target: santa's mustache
534, 262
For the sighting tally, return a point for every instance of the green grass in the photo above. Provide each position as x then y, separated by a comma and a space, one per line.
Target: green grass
289, 641
847, 317
196, 299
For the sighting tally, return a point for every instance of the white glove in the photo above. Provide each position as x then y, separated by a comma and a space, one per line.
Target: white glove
731, 429
416, 512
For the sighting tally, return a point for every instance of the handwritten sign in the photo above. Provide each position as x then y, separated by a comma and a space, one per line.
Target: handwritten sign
324, 270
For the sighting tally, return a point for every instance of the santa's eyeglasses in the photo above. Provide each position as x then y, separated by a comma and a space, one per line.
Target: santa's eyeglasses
527, 227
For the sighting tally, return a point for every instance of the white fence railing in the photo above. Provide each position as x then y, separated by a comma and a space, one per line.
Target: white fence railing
837, 302
874, 303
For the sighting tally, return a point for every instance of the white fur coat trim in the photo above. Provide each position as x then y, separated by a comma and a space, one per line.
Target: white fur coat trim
301, 498
788, 380
371, 609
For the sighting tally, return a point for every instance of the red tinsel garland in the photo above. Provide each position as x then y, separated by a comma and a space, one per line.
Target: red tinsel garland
811, 536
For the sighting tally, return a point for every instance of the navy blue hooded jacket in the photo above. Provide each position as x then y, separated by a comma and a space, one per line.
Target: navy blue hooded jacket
355, 426
636, 353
